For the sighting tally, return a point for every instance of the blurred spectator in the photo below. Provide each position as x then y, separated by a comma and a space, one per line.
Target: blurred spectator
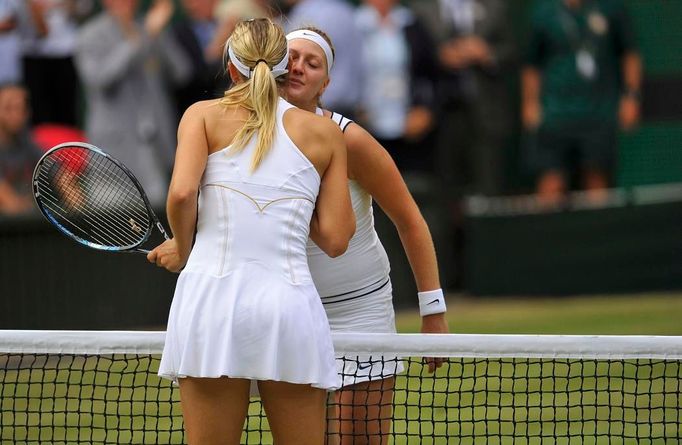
18, 154
581, 81
202, 38
247, 9
48, 30
10, 68
229, 12
399, 69
47, 136
337, 19
476, 52
128, 69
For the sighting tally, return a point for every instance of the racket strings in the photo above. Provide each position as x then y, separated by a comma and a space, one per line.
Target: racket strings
90, 225
96, 229
70, 217
92, 197
129, 199
111, 188
71, 208
104, 199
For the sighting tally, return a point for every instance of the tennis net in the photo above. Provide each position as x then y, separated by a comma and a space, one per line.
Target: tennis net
101, 387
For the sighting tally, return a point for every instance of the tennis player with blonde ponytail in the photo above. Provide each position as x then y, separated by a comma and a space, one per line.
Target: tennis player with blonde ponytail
356, 287
268, 176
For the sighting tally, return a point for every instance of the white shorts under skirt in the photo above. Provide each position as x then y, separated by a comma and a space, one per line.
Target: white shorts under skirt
370, 313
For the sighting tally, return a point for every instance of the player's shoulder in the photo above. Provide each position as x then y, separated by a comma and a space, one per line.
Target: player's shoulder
358, 139
202, 109
203, 106
318, 125
339, 119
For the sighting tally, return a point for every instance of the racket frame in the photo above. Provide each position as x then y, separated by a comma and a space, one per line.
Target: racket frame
134, 248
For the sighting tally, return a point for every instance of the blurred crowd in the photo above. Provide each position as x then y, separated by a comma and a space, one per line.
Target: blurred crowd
432, 80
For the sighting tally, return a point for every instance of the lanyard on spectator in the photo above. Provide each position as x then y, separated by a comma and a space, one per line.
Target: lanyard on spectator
582, 43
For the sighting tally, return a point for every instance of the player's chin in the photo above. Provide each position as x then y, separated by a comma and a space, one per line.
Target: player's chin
296, 88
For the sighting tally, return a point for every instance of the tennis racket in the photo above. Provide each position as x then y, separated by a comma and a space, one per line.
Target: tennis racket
93, 199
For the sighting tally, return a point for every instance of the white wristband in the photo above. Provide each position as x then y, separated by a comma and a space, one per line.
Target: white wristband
431, 302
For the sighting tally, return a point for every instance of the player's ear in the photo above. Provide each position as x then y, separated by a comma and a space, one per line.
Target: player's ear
235, 75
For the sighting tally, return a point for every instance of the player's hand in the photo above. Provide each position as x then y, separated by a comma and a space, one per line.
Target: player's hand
167, 255
434, 324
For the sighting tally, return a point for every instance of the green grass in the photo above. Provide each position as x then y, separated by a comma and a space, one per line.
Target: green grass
471, 401
638, 314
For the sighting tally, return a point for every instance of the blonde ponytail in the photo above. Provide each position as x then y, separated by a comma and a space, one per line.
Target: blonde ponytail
264, 95
260, 45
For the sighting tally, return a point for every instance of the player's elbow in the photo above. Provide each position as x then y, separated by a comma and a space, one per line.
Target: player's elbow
334, 241
179, 194
343, 236
414, 223
337, 248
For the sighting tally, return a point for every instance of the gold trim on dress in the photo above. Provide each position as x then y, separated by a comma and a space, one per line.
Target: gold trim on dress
260, 209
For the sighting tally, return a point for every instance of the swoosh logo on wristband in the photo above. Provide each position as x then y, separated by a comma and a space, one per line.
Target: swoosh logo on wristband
434, 301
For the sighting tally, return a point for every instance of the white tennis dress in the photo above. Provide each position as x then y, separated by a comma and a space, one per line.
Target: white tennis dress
245, 306
356, 287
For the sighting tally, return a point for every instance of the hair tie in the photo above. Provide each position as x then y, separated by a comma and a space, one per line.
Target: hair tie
256, 64
277, 70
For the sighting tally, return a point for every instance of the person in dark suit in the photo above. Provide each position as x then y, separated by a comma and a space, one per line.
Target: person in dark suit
196, 33
476, 51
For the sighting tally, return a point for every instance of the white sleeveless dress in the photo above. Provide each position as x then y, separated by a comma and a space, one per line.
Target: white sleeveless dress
245, 306
356, 287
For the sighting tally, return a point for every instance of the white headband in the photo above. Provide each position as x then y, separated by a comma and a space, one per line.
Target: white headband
315, 38
277, 70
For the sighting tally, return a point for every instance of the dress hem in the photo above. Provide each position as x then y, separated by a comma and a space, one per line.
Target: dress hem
174, 378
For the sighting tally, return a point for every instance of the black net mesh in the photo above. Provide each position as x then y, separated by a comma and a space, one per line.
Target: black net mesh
118, 399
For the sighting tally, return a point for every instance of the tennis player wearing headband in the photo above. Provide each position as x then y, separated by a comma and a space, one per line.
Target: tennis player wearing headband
355, 287
256, 177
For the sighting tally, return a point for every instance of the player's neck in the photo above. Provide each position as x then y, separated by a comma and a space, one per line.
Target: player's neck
307, 106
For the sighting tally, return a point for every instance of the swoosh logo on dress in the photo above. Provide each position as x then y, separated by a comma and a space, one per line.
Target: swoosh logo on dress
364, 365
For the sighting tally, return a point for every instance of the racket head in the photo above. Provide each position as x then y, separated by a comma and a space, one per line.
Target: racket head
92, 198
